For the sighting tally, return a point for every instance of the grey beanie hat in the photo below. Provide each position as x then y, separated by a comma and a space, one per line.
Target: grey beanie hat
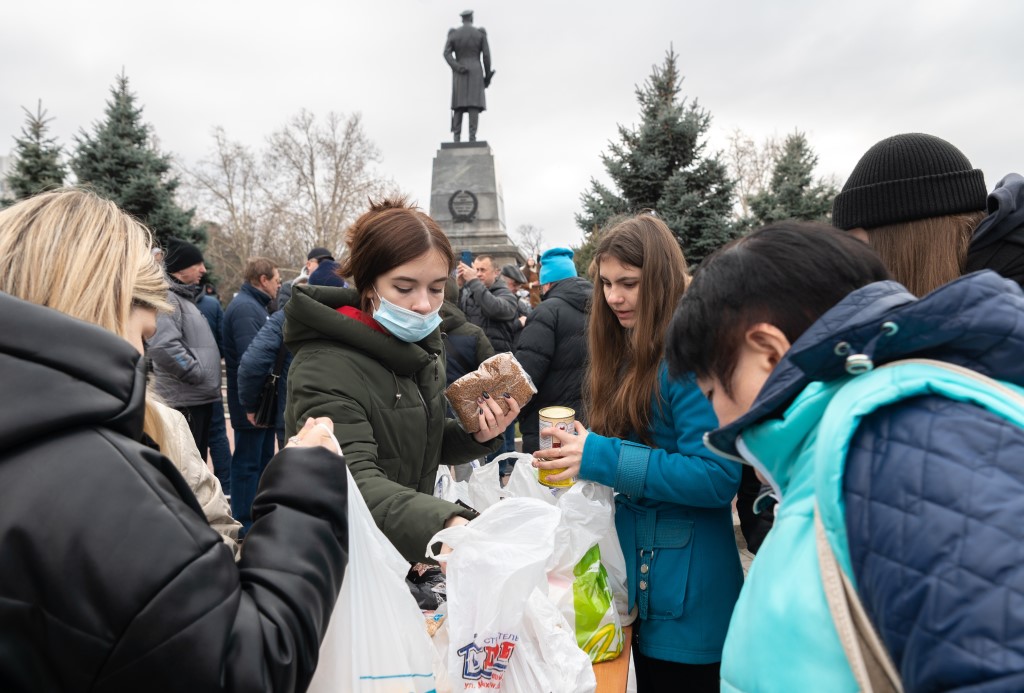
906, 178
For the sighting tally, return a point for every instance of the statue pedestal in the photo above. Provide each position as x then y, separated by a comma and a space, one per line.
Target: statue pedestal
466, 201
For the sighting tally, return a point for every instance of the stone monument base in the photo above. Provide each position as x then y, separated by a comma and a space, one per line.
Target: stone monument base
466, 201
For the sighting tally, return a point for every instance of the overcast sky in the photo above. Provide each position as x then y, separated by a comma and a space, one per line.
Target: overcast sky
848, 74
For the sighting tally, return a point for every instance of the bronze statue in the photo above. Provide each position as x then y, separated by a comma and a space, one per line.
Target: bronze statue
463, 51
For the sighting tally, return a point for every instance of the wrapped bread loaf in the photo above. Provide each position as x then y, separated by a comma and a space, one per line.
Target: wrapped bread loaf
497, 375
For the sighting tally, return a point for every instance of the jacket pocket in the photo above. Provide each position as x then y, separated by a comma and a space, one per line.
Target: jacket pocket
669, 568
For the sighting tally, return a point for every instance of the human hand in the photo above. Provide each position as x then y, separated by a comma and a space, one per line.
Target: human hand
251, 416
492, 422
316, 432
461, 69
568, 457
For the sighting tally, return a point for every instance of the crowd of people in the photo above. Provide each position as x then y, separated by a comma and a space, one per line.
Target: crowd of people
854, 391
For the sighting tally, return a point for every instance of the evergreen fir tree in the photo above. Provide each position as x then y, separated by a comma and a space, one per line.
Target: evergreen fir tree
792, 192
38, 164
661, 165
120, 161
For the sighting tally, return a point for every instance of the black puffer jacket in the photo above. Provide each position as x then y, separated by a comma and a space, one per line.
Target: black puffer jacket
110, 577
553, 349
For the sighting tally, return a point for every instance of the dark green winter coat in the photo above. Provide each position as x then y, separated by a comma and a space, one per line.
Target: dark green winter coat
386, 398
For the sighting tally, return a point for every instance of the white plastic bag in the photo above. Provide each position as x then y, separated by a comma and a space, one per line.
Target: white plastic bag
505, 633
586, 576
377, 640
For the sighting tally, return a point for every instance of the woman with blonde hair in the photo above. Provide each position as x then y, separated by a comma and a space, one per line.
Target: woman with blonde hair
673, 503
112, 578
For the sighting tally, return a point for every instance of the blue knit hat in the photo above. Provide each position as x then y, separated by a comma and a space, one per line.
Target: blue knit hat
556, 264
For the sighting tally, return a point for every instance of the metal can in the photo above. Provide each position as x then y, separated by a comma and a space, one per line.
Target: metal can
562, 419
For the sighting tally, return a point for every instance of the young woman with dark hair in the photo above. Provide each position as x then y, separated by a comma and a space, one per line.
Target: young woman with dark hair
372, 356
871, 414
673, 507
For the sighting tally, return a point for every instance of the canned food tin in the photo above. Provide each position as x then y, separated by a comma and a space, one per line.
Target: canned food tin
560, 418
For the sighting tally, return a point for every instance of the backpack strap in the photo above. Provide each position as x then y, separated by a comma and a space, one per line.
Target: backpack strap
868, 658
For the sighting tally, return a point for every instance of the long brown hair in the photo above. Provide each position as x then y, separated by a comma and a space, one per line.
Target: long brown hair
389, 234
924, 254
622, 373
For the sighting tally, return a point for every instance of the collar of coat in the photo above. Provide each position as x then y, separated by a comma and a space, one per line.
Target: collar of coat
973, 322
312, 314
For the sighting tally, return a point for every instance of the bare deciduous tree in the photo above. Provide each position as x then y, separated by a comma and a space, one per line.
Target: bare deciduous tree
751, 165
530, 239
322, 176
302, 190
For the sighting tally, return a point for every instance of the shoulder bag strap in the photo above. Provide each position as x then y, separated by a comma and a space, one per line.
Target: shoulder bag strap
868, 658
279, 361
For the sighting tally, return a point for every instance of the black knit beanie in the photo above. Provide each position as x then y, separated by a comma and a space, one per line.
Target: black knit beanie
181, 254
906, 178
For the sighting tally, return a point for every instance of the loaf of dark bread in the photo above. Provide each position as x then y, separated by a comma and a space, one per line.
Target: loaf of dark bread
497, 375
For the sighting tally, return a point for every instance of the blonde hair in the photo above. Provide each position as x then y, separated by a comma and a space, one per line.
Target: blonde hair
78, 253
924, 254
75, 252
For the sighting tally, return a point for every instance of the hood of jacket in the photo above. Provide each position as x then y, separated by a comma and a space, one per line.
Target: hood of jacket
973, 322
998, 242
71, 373
1005, 212
312, 314
575, 291
452, 317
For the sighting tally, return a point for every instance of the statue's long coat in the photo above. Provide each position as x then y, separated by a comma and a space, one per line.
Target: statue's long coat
465, 46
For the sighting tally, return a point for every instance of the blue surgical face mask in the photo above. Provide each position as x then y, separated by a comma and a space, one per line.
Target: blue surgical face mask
407, 325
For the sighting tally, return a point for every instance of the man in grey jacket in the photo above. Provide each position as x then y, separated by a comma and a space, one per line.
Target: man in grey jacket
487, 302
183, 351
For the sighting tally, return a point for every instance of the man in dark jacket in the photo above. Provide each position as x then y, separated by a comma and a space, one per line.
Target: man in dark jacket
184, 352
552, 347
123, 586
313, 260
254, 447
487, 302
260, 357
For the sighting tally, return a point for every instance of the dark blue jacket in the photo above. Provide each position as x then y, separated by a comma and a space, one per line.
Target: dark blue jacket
211, 309
933, 488
258, 362
245, 316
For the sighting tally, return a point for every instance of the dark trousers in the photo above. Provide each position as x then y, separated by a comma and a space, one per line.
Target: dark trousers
220, 449
474, 118
253, 449
655, 675
198, 417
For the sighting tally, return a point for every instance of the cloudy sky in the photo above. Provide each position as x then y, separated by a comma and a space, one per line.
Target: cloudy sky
848, 74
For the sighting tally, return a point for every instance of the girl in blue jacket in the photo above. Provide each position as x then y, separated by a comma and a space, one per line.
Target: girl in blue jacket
895, 455
673, 504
